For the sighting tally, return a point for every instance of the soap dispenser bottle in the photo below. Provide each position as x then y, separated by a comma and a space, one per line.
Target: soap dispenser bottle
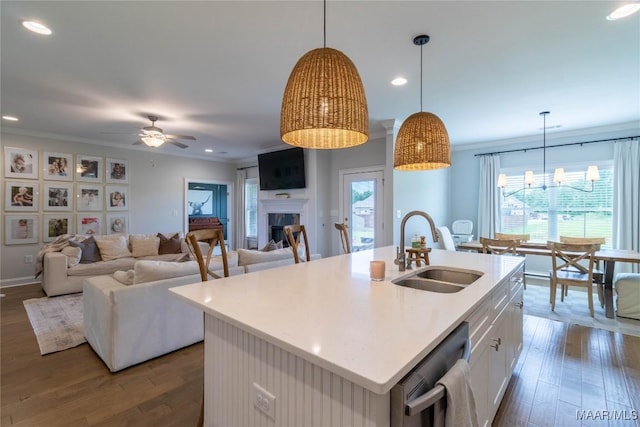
415, 241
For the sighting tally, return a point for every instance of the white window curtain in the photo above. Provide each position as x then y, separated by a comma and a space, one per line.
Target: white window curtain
488, 196
626, 199
241, 233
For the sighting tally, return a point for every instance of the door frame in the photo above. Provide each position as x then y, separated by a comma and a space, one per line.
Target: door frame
230, 206
379, 203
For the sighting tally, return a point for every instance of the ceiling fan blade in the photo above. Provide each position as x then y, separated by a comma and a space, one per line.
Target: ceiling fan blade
192, 138
138, 142
177, 144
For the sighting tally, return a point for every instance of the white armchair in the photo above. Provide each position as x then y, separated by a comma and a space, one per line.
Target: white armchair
446, 241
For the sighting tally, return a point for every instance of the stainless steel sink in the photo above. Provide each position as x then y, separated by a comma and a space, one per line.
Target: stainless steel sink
450, 275
444, 280
429, 285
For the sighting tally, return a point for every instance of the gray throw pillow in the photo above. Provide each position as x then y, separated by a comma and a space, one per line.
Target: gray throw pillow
90, 250
271, 246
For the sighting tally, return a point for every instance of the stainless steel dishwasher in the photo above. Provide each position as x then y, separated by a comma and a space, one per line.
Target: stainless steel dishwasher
416, 401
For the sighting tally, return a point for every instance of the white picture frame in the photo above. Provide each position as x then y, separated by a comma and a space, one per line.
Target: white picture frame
89, 197
89, 224
57, 166
54, 225
117, 198
20, 163
21, 229
58, 197
21, 196
88, 168
116, 171
117, 223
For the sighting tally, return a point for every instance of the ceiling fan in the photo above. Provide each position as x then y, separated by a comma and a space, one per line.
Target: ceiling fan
154, 136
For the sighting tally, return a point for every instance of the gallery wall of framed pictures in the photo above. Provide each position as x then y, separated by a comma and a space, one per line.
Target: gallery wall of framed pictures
48, 194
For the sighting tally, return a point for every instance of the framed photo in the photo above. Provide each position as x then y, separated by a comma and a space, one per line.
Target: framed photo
21, 229
58, 197
89, 224
117, 223
117, 198
58, 166
117, 171
88, 168
88, 197
20, 163
55, 225
21, 196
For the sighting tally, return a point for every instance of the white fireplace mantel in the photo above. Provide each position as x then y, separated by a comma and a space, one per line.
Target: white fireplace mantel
268, 206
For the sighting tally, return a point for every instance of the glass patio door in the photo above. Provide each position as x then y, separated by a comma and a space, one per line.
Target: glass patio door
361, 207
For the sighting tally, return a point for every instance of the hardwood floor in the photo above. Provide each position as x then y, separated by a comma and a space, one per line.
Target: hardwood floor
563, 368
74, 387
566, 368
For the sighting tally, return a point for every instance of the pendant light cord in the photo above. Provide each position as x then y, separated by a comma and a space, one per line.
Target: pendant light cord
325, 23
421, 46
544, 149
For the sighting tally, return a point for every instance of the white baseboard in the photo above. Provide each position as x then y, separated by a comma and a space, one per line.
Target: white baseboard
18, 281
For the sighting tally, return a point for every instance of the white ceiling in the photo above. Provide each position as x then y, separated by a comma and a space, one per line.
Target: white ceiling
217, 70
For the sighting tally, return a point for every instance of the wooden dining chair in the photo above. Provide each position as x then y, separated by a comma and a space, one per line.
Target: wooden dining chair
598, 274
344, 236
295, 233
567, 269
212, 238
499, 246
502, 247
519, 237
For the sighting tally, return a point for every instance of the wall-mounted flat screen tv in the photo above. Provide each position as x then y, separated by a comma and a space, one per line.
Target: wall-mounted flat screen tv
282, 170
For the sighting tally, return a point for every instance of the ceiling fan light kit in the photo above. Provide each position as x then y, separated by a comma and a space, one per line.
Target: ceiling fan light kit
154, 136
423, 140
324, 104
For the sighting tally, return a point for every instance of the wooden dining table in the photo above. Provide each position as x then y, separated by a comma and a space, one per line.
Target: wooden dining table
609, 257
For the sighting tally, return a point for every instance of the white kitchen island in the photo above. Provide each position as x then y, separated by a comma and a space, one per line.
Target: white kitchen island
327, 342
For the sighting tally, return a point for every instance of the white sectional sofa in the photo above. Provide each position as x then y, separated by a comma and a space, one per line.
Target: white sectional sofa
65, 265
130, 317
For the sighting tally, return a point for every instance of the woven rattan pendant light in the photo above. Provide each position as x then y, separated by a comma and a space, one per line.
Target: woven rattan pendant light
422, 142
324, 105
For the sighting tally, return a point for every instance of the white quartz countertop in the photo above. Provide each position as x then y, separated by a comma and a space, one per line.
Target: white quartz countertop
330, 313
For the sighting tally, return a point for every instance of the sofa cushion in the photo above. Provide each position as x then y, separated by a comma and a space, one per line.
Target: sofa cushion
124, 277
102, 267
113, 247
144, 245
248, 256
169, 244
90, 251
73, 254
271, 246
150, 271
166, 257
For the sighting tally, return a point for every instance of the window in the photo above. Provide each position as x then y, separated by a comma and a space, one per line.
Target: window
559, 210
251, 207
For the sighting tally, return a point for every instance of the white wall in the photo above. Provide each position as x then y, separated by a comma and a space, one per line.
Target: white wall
156, 185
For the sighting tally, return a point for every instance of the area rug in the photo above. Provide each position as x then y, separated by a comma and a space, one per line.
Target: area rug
56, 321
575, 309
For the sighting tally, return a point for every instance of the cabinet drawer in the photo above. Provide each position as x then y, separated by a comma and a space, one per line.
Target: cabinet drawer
516, 281
500, 297
479, 321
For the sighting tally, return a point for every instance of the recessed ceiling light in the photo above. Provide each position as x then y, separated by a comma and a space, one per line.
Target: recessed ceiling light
624, 11
399, 81
10, 118
36, 27
208, 150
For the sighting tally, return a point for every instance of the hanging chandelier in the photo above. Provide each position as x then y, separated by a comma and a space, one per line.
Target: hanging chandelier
423, 141
558, 177
324, 105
